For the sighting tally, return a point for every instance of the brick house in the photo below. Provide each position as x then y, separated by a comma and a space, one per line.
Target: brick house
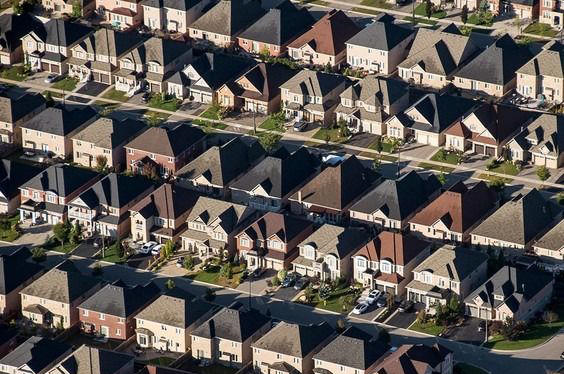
12, 176
16, 110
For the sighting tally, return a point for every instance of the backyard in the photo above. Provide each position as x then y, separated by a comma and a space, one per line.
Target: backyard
8, 230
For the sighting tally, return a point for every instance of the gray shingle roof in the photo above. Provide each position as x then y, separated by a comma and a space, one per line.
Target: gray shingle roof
313, 83
549, 62
109, 133
64, 33
230, 215
183, 5
163, 51
522, 219
108, 42
12, 176
381, 35
452, 262
60, 121
14, 106
118, 299
293, 339
61, 179
553, 239
89, 360
340, 241
229, 17
544, 134
376, 91
15, 268
37, 353
13, 27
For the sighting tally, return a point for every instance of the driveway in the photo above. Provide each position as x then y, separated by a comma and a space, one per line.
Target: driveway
286, 293
402, 319
92, 88
257, 286
193, 108
467, 332
34, 236
371, 313
86, 249
139, 261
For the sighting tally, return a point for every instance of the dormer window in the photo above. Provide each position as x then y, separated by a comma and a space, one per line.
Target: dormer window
385, 267
361, 262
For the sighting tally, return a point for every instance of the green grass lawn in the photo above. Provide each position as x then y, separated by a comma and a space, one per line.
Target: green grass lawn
114, 94
366, 11
53, 244
377, 4
7, 231
67, 84
334, 135
429, 166
111, 255
427, 328
450, 158
155, 118
105, 108
491, 178
536, 334
15, 73
420, 20
211, 113
170, 104
272, 124
420, 11
542, 29
335, 301
505, 167
212, 276
464, 368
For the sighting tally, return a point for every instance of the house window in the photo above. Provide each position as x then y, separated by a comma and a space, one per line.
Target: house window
118, 332
153, 157
85, 312
244, 242
102, 316
130, 151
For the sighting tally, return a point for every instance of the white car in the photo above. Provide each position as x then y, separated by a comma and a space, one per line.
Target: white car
373, 296
360, 308
146, 248
156, 250
51, 78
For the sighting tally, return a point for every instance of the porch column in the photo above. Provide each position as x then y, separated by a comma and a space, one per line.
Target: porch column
22, 216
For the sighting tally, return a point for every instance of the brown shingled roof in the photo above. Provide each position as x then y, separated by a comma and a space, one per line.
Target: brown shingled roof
398, 247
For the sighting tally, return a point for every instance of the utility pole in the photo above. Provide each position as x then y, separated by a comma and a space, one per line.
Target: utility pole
250, 288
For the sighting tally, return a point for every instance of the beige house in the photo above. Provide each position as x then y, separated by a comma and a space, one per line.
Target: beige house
327, 252
95, 360
227, 336
366, 105
379, 47
58, 8
312, 96
53, 299
511, 293
212, 225
543, 74
289, 348
167, 322
161, 215
14, 112
448, 272
51, 131
551, 244
172, 16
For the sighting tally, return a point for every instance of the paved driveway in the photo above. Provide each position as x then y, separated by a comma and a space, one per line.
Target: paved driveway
34, 236
259, 285
86, 249
139, 261
286, 293
371, 313
92, 88
402, 319
467, 332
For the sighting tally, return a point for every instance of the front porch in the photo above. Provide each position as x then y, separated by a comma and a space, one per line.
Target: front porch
39, 212
129, 81
427, 294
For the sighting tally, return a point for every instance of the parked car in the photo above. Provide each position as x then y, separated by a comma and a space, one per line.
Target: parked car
300, 126
29, 153
180, 262
301, 283
360, 308
289, 281
373, 296
482, 326
381, 302
405, 306
146, 248
51, 78
156, 250
146, 97
97, 242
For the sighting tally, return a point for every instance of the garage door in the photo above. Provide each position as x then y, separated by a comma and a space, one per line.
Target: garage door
490, 151
206, 98
479, 149
155, 87
44, 66
55, 69
105, 78
422, 138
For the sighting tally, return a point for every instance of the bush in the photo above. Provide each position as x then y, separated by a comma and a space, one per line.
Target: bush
560, 198
97, 270
281, 275
275, 281
543, 173
226, 271
512, 330
188, 262
38, 254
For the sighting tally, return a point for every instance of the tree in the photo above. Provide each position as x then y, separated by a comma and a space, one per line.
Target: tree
226, 271
429, 8
464, 14
17, 6
38, 254
168, 249
269, 141
512, 329
543, 173
101, 163
308, 293
75, 233
379, 146
442, 177
496, 183
61, 231
376, 163
328, 68
97, 270
49, 102
76, 9
169, 284
441, 155
422, 316
395, 143
344, 130
560, 198
324, 293
188, 262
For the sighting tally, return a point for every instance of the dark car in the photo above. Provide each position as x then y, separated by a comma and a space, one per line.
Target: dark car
244, 275
289, 281
258, 272
301, 283
146, 97
381, 302
562, 355
482, 326
405, 306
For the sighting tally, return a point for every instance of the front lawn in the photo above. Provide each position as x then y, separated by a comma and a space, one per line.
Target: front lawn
15, 73
333, 135
364, 10
155, 118
337, 300
494, 179
464, 368
504, 167
66, 84
377, 4
541, 29
8, 228
105, 108
114, 94
420, 11
429, 166
111, 255
272, 124
213, 114
420, 20
536, 334
445, 157
165, 103
53, 244
427, 328
213, 276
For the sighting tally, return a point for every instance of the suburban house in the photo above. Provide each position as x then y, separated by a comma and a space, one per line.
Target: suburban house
312, 96
257, 90
492, 72
201, 80
15, 110
353, 351
269, 184
48, 48
551, 245
367, 104
380, 46
162, 214
271, 242
36, 355
16, 272
227, 336
436, 55
110, 312
172, 15
327, 197
97, 57
102, 142
543, 74
167, 322
163, 150
212, 225
103, 209
289, 348
447, 272
150, 64
523, 218
51, 131
12, 176
386, 262
214, 170
273, 32
427, 119
422, 358
52, 300
327, 252
324, 43
522, 9
46, 196
550, 12
59, 8
541, 143
487, 129
120, 14
454, 214
96, 361
225, 21
512, 292
13, 27
393, 202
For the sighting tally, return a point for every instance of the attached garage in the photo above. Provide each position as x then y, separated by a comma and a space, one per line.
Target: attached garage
55, 69
95, 76
154, 87
105, 78
490, 151
479, 149
44, 66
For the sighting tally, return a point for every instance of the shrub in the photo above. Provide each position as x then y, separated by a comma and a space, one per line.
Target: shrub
543, 173
97, 270
275, 281
188, 262
281, 275
38, 254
